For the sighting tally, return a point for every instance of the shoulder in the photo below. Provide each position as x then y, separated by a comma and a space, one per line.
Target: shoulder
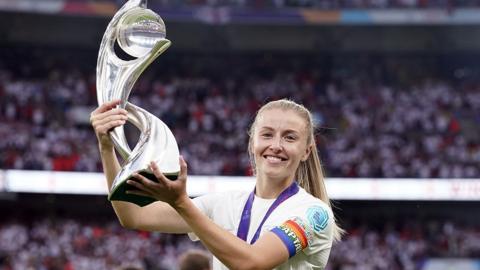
305, 224
308, 205
310, 214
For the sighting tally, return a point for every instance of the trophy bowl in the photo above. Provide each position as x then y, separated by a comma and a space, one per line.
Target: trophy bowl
139, 30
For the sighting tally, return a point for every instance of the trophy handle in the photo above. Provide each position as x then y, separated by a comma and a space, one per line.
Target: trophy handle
126, 74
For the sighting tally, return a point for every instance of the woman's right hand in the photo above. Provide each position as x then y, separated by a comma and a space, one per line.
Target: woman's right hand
105, 118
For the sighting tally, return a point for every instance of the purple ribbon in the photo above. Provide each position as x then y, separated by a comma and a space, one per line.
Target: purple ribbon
244, 225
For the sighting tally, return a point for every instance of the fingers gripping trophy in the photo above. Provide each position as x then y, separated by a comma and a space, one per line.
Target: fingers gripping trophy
140, 32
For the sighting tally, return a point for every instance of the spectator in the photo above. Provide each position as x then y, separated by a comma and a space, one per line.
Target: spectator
194, 260
402, 124
76, 244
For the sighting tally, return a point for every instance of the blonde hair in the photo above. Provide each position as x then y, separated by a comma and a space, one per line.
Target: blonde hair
309, 174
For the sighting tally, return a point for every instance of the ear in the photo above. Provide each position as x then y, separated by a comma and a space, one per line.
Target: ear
308, 151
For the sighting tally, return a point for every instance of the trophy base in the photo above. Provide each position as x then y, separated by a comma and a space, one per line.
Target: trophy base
119, 193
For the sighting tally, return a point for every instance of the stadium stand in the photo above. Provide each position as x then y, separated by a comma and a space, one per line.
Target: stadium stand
70, 243
374, 120
316, 4
388, 105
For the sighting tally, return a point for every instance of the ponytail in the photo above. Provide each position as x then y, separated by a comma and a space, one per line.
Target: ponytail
310, 177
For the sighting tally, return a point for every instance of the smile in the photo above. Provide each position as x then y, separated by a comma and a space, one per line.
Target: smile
274, 159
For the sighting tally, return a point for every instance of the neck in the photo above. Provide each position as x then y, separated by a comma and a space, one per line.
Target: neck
270, 188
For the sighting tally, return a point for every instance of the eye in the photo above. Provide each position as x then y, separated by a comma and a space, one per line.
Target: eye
290, 137
266, 135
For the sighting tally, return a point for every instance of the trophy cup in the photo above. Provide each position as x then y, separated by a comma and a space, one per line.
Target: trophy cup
139, 32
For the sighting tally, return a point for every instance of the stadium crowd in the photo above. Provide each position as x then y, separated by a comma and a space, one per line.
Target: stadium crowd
323, 4
69, 244
372, 123
404, 247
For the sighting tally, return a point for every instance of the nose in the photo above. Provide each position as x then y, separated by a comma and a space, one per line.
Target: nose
276, 144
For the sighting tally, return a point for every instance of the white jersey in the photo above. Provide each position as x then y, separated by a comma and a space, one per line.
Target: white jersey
303, 222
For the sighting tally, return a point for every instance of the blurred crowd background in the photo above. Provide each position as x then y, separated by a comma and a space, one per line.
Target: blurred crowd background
376, 116
390, 98
68, 244
318, 4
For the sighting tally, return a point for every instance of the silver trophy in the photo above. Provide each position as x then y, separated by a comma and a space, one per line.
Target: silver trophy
139, 32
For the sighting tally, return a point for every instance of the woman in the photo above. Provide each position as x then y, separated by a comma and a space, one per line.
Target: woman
285, 223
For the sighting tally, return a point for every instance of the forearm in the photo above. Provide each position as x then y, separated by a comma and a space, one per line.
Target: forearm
110, 164
232, 251
158, 216
125, 211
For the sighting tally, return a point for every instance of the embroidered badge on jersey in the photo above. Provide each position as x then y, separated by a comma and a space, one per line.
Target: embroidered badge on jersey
317, 217
293, 236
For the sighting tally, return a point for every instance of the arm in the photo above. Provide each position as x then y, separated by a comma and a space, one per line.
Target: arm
267, 253
157, 216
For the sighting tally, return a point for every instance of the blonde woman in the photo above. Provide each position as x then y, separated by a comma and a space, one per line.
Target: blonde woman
286, 222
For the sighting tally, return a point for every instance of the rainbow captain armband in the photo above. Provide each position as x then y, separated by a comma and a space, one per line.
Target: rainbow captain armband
294, 235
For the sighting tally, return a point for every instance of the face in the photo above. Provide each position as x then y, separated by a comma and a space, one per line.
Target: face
279, 143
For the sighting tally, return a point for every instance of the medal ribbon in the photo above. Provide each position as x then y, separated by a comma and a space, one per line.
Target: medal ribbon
244, 225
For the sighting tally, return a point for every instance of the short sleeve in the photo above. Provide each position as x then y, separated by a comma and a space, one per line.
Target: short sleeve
203, 203
219, 207
309, 231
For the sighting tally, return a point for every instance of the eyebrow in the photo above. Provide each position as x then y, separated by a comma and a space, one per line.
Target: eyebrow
271, 129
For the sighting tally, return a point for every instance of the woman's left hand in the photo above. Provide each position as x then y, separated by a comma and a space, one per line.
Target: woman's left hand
166, 190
